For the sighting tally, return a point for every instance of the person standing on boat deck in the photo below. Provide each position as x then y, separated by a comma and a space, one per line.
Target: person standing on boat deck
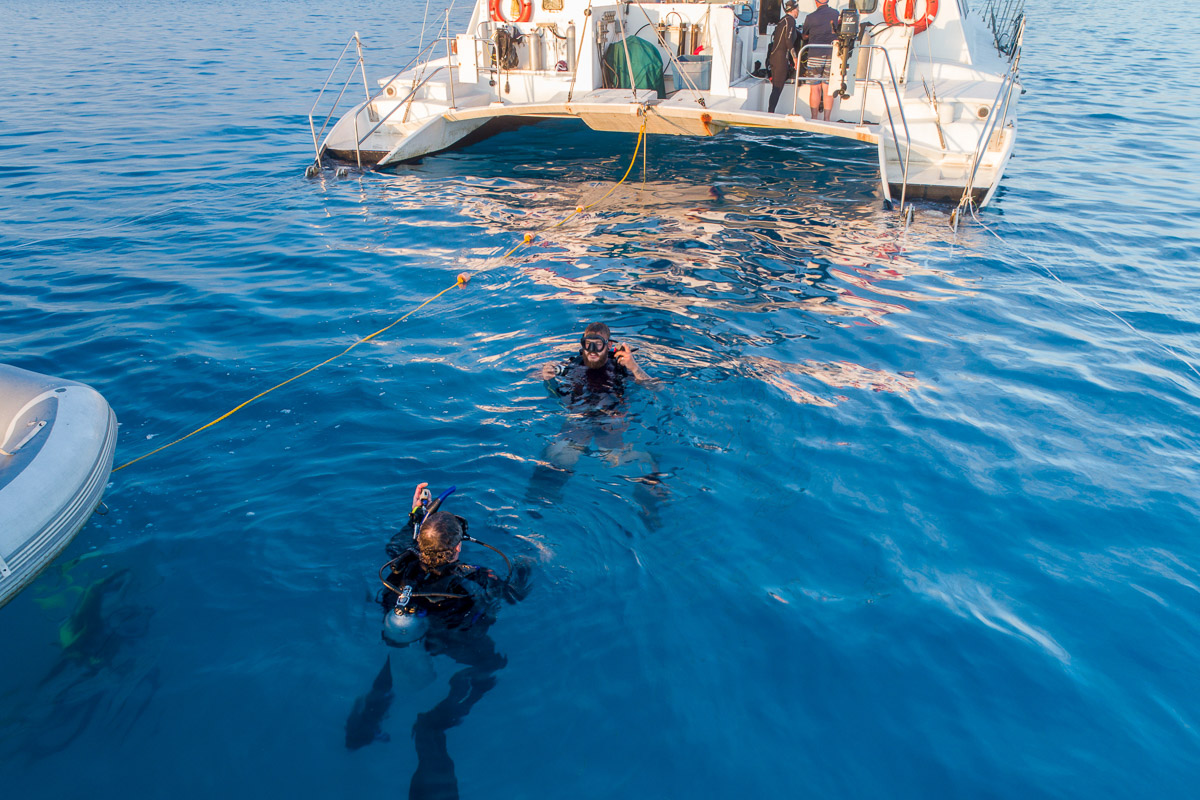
783, 43
591, 386
820, 28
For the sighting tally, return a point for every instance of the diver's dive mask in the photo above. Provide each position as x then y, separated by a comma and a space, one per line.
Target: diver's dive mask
594, 344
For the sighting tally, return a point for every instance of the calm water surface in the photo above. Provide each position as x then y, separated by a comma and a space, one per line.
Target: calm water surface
927, 527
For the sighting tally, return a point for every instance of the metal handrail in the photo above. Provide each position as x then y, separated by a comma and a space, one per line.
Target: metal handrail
887, 59
445, 28
399, 103
360, 63
989, 127
360, 138
450, 59
316, 136
799, 77
1005, 25
886, 107
895, 138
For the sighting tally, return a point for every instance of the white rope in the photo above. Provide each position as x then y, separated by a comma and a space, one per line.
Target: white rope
1085, 298
671, 54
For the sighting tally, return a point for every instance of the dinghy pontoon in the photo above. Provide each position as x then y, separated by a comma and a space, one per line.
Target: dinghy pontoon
57, 439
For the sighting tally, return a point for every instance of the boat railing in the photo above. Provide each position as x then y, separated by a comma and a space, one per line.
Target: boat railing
887, 106
1006, 20
996, 115
405, 102
370, 98
360, 65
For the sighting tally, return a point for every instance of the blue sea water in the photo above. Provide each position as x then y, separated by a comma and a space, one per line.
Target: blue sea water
927, 525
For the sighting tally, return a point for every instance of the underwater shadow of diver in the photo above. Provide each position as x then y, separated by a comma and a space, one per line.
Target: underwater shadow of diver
93, 639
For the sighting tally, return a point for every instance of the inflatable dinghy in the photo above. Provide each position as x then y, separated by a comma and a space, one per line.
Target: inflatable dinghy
56, 451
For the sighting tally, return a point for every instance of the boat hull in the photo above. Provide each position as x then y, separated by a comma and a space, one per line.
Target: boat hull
60, 436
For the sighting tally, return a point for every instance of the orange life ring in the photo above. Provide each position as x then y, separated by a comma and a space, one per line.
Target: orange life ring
497, 15
910, 10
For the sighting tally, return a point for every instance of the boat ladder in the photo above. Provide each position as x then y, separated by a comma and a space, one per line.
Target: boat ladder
443, 35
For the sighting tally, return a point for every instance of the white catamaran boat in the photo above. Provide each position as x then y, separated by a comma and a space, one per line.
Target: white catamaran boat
932, 84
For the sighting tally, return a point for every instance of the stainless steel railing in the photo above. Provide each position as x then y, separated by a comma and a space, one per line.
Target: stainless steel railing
887, 106
996, 114
1006, 20
357, 42
370, 98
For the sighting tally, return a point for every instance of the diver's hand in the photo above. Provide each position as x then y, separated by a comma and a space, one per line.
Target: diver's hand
624, 356
549, 370
421, 488
623, 353
521, 584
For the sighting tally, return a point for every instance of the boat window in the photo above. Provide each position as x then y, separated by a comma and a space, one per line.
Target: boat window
867, 6
769, 12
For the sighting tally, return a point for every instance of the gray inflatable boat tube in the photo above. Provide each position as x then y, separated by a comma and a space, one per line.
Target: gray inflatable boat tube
57, 439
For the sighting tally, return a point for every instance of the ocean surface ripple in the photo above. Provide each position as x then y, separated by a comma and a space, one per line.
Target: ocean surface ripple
925, 524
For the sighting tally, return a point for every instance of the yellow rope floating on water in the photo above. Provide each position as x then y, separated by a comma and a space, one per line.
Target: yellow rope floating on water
460, 281
580, 209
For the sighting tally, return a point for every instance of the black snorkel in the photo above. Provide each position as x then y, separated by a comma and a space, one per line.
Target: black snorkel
429, 507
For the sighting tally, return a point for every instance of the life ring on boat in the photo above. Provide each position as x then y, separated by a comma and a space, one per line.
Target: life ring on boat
526, 7
910, 11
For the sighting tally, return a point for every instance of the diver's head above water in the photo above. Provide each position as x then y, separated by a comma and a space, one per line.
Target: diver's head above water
594, 345
439, 542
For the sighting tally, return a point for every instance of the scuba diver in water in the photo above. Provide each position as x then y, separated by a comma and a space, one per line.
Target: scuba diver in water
598, 362
433, 600
591, 386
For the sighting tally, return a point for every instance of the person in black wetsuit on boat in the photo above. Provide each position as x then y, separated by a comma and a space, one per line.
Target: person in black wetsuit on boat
591, 385
431, 599
781, 54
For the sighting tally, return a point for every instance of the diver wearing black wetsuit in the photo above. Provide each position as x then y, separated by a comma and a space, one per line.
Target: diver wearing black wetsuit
434, 601
591, 386
587, 390
451, 603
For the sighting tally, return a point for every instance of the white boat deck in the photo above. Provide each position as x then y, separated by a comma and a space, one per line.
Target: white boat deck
939, 104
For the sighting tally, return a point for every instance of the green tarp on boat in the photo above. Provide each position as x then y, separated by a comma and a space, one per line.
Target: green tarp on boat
646, 61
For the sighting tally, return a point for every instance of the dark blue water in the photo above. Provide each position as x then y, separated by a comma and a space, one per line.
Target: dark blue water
927, 526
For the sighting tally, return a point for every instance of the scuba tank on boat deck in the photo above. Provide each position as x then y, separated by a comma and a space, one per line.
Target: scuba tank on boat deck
534, 41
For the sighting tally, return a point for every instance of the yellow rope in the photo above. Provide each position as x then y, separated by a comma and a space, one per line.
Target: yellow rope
461, 281
580, 209
632, 161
